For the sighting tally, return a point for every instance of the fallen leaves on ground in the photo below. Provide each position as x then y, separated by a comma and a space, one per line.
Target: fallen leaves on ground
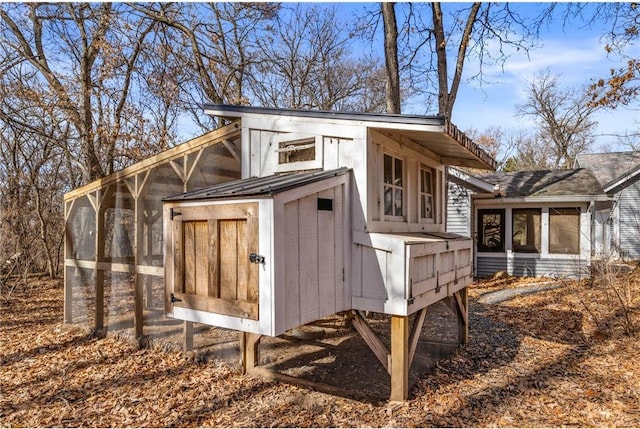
534, 360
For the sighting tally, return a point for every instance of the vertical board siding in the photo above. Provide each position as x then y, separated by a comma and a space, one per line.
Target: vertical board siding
374, 272
201, 258
292, 264
308, 233
326, 257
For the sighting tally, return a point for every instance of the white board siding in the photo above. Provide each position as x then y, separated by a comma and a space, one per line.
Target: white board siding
400, 274
532, 266
313, 262
629, 221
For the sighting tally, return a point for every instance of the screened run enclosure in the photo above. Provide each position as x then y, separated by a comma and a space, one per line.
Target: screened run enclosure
114, 242
277, 220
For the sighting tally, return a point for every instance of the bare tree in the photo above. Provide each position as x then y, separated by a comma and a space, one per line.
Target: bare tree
309, 62
435, 41
563, 117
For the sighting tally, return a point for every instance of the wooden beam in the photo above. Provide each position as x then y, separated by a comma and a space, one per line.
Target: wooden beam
375, 344
211, 138
315, 385
99, 250
399, 358
462, 302
415, 333
138, 295
188, 336
249, 347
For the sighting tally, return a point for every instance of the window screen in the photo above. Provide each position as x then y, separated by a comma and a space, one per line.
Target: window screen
564, 230
526, 230
491, 230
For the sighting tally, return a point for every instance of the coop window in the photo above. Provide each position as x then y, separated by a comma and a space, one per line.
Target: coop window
426, 193
491, 230
526, 230
564, 230
393, 186
297, 151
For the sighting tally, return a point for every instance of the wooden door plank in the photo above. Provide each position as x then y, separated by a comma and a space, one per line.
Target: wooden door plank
248, 310
252, 231
228, 259
243, 259
214, 259
189, 258
201, 258
178, 257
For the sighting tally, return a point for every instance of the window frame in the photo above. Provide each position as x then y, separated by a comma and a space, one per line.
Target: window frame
394, 187
578, 211
528, 248
480, 230
431, 194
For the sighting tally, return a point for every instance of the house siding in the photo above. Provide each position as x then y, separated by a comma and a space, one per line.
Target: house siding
629, 221
459, 210
488, 265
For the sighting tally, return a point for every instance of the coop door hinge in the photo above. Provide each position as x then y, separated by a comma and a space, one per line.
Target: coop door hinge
254, 258
174, 213
174, 299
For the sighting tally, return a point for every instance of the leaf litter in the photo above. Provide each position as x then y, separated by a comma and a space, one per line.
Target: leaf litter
536, 360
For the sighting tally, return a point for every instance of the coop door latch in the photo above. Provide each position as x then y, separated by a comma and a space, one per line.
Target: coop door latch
254, 258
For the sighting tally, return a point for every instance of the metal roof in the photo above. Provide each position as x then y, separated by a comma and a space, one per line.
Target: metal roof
546, 183
238, 111
257, 186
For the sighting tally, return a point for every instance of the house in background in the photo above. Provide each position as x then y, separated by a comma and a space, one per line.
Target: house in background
534, 223
537, 223
616, 231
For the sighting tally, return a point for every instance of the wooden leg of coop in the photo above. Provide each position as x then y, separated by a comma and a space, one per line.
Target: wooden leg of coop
249, 348
399, 358
188, 336
99, 321
462, 304
138, 317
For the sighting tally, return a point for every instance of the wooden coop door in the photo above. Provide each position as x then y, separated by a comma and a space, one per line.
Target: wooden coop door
215, 259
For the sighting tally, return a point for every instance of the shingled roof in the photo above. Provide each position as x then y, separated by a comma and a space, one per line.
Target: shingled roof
546, 183
608, 168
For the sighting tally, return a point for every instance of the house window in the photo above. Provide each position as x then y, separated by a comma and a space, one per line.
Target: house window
526, 230
426, 193
491, 230
393, 186
564, 230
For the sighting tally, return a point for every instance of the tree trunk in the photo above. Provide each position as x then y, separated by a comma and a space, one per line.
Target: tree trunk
391, 57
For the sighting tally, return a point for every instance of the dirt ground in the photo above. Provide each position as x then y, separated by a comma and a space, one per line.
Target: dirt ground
554, 356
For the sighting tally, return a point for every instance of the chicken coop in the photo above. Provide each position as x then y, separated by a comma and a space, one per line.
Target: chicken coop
296, 215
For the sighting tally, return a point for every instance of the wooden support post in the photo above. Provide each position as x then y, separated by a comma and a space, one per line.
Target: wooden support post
399, 358
188, 336
249, 348
462, 302
138, 314
68, 282
99, 249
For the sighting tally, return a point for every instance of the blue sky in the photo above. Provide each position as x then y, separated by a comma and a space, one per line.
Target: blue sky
575, 53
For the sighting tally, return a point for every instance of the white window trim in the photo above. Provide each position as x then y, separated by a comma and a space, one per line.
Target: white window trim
292, 138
